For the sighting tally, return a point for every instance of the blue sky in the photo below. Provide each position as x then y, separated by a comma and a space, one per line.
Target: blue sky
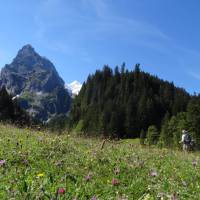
80, 36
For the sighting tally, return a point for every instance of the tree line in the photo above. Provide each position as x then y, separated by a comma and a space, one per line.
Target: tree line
170, 133
126, 103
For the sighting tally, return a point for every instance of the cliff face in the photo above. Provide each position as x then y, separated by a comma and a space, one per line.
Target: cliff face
36, 84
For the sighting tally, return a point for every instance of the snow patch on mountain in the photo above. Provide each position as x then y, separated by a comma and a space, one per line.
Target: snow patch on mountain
74, 87
15, 97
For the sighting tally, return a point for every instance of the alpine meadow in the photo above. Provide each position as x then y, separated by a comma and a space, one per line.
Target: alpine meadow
99, 100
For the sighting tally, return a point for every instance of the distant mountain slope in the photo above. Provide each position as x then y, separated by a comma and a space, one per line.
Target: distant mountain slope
34, 81
123, 103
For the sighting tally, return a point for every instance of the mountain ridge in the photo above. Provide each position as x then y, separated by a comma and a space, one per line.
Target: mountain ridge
35, 82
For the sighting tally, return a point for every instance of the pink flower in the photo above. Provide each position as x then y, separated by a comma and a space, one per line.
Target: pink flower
88, 177
153, 173
61, 191
115, 182
93, 198
2, 162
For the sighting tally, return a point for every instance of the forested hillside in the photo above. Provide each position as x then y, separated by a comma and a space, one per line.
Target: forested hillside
122, 103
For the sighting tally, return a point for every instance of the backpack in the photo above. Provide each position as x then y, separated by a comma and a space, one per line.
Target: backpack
187, 139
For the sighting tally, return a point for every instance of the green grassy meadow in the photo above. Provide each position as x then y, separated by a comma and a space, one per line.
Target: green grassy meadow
39, 165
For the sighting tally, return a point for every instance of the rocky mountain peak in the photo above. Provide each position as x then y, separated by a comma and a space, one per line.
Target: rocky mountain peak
36, 81
26, 51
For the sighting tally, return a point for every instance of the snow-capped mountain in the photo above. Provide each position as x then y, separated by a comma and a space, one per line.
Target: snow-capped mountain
74, 87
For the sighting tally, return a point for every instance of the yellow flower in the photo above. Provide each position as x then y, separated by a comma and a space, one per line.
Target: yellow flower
40, 175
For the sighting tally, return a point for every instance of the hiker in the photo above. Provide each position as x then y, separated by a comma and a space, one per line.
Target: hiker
186, 140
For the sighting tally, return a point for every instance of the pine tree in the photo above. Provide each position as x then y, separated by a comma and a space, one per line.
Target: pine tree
152, 135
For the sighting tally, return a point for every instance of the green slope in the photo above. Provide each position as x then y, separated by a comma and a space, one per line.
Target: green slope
37, 164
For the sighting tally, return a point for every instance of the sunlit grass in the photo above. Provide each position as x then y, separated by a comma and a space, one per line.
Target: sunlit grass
45, 166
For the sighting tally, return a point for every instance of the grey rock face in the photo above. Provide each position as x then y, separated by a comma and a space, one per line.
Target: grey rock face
34, 78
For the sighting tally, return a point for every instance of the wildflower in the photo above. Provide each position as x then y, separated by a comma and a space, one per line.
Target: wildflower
161, 195
153, 173
88, 177
149, 188
25, 162
93, 198
2, 162
40, 175
184, 183
61, 191
115, 182
116, 171
194, 163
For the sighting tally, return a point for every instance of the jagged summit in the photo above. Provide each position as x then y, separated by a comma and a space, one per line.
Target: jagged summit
27, 48
26, 51
35, 80
31, 72
27, 59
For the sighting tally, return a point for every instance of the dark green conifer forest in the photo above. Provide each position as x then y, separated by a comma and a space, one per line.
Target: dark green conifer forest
121, 103
10, 111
